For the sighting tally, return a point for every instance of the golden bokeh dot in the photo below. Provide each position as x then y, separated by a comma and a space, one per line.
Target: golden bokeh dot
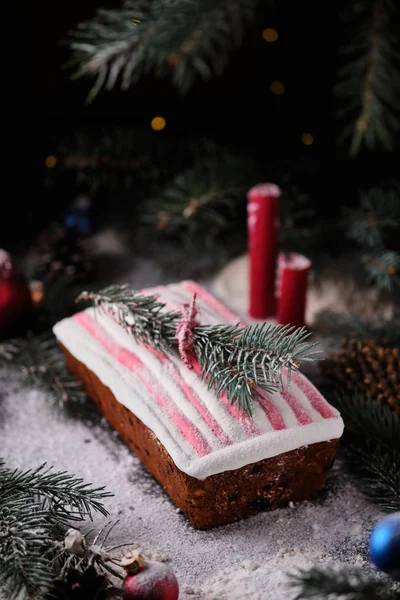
277, 88
307, 139
158, 123
50, 162
270, 35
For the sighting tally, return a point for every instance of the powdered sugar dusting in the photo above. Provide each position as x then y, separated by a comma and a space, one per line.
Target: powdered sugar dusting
155, 575
246, 560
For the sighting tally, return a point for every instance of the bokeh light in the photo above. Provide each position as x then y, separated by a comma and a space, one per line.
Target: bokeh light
277, 88
270, 35
158, 123
50, 162
307, 139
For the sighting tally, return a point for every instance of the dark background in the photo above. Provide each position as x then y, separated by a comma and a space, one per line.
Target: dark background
237, 108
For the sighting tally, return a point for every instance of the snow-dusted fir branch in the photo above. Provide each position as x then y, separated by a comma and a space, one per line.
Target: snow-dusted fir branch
26, 537
207, 197
42, 363
383, 269
241, 361
145, 317
179, 39
37, 508
373, 447
234, 360
54, 488
344, 583
368, 80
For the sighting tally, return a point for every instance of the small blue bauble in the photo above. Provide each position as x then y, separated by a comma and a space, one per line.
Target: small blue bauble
384, 545
79, 222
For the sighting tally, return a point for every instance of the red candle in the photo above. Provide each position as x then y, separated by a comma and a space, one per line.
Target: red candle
293, 271
263, 229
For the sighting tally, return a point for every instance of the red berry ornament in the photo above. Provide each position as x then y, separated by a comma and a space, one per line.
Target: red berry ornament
14, 291
148, 580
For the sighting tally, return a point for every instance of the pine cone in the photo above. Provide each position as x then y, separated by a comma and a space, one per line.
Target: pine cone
83, 585
367, 367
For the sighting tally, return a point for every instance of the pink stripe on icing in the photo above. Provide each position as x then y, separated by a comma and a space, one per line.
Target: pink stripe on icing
220, 308
193, 399
244, 419
180, 297
303, 418
135, 365
317, 401
273, 414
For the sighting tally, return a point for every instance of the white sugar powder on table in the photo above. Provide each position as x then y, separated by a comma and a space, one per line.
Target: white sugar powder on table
245, 560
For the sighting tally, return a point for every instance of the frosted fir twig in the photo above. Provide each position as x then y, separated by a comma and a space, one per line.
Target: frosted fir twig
181, 39
235, 360
344, 583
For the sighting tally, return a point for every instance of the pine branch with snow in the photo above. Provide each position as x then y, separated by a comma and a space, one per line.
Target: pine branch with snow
344, 583
234, 360
37, 508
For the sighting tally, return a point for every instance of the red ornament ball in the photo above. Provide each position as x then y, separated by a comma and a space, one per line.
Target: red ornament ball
14, 291
155, 581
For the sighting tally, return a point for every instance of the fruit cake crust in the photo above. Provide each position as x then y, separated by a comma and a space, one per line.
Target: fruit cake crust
225, 497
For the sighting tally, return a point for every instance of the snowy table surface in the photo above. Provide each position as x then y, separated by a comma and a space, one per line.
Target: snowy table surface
246, 560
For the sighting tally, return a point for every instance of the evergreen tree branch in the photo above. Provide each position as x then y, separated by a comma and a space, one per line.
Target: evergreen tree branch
181, 38
383, 331
370, 419
382, 268
145, 317
378, 472
10, 350
37, 508
234, 360
369, 82
54, 489
42, 363
206, 197
377, 216
373, 451
25, 539
113, 159
344, 583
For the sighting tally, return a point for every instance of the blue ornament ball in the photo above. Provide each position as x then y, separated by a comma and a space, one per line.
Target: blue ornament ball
384, 545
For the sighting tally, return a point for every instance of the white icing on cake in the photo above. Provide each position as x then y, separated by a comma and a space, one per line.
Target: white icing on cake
203, 434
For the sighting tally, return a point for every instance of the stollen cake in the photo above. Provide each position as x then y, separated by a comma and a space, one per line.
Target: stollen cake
217, 463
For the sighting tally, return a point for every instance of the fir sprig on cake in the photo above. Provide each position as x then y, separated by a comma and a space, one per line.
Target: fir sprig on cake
217, 410
234, 359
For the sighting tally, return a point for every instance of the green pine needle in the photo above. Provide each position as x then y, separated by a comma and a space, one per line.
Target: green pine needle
383, 268
207, 197
376, 217
234, 360
372, 419
43, 364
382, 331
54, 488
373, 453
37, 507
25, 541
180, 39
368, 82
145, 317
344, 584
378, 473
